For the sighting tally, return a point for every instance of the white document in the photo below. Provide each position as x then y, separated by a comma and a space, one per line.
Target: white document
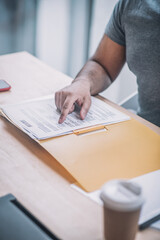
156, 225
151, 191
39, 118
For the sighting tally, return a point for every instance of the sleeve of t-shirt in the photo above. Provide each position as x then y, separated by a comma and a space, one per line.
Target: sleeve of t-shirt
114, 29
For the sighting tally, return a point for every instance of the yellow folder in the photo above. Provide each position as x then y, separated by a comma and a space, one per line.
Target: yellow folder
123, 150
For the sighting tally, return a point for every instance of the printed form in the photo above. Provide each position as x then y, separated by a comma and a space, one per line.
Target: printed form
39, 118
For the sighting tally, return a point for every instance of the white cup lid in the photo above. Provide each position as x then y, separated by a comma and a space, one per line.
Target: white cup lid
122, 195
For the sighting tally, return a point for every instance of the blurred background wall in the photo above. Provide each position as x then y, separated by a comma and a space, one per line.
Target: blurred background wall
62, 33
18, 25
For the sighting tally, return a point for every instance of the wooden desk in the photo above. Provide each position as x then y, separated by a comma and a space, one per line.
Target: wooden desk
31, 173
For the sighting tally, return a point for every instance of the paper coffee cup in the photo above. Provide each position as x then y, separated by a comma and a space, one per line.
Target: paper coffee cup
122, 204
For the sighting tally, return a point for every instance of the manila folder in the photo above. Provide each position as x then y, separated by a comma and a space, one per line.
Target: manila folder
126, 150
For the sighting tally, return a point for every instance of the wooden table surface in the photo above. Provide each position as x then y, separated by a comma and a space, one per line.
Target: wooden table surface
30, 173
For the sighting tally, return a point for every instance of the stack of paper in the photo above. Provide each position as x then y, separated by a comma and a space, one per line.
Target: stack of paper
39, 118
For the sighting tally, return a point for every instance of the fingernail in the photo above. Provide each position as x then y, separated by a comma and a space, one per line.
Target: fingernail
83, 115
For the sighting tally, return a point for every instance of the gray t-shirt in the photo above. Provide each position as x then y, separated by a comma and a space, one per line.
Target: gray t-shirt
136, 25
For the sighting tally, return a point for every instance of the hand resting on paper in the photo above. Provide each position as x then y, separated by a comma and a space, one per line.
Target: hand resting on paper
95, 76
66, 98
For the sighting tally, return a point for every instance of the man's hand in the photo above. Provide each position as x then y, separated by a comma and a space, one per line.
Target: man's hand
96, 75
77, 93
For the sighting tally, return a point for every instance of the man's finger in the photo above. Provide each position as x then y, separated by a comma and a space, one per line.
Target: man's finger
57, 97
58, 100
61, 101
66, 109
85, 107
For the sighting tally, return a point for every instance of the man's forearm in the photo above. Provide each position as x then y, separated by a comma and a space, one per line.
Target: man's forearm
95, 76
